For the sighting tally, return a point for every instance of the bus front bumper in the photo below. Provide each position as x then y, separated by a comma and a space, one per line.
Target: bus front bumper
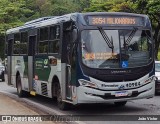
91, 95
157, 86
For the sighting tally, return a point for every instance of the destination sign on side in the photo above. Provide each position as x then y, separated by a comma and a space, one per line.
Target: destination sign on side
120, 20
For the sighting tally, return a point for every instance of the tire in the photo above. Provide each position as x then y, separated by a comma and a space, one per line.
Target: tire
61, 105
3, 77
156, 93
20, 92
120, 104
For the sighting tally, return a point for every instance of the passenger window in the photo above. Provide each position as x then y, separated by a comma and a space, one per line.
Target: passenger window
43, 47
9, 47
16, 46
44, 34
23, 43
43, 40
54, 32
54, 39
54, 46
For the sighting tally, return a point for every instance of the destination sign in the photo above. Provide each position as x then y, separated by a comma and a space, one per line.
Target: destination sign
115, 20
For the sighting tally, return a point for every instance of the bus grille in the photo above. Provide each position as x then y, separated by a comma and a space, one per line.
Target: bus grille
44, 89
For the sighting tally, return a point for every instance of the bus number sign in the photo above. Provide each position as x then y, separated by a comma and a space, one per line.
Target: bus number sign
120, 20
132, 85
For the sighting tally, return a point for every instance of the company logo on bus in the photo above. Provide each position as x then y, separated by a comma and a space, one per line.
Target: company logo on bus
120, 72
112, 85
121, 87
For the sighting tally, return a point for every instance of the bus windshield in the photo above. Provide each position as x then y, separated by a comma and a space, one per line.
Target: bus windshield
116, 48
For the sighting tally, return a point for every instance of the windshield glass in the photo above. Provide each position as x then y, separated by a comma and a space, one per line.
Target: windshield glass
157, 67
116, 48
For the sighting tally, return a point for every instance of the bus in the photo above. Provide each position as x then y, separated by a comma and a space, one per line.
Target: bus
82, 58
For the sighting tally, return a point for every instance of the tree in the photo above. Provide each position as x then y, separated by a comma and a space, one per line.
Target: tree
152, 9
111, 6
148, 7
14, 13
61, 7
123, 6
11, 14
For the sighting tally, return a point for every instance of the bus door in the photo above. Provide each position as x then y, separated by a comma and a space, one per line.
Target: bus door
71, 72
31, 54
68, 50
66, 60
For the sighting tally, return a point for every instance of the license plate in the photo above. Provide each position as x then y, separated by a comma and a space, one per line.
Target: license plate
121, 93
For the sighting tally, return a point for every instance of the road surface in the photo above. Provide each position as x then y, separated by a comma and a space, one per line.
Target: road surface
93, 112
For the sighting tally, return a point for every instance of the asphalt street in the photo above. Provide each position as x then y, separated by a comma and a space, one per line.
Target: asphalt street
93, 112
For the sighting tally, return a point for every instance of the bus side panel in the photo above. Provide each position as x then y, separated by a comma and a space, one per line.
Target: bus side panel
55, 71
19, 66
13, 70
24, 78
8, 68
42, 67
41, 74
63, 80
44, 73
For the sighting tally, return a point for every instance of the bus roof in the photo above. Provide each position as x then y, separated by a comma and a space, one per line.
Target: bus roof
45, 21
41, 22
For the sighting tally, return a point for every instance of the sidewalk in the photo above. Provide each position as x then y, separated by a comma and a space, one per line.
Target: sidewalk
9, 106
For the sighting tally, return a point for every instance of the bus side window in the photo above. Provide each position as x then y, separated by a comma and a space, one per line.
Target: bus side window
23, 43
43, 47
54, 39
6, 46
16, 47
54, 46
9, 47
44, 34
43, 41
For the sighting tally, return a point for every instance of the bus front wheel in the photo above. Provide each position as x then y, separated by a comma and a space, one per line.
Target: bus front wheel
119, 104
3, 77
62, 105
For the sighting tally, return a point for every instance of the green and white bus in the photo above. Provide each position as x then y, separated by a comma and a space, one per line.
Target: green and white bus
80, 58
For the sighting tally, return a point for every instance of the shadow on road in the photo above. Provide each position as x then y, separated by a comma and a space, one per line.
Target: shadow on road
130, 108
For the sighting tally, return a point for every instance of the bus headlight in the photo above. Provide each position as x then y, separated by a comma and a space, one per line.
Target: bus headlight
150, 80
157, 78
87, 83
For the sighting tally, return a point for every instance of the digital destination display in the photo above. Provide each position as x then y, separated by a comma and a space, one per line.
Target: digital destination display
99, 56
115, 20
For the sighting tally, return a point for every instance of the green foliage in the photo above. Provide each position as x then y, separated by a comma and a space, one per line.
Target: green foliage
158, 56
126, 6
11, 13
152, 9
14, 13
61, 7
148, 7
2, 38
111, 6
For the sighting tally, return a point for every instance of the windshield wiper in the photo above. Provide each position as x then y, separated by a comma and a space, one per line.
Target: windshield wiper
130, 36
106, 38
